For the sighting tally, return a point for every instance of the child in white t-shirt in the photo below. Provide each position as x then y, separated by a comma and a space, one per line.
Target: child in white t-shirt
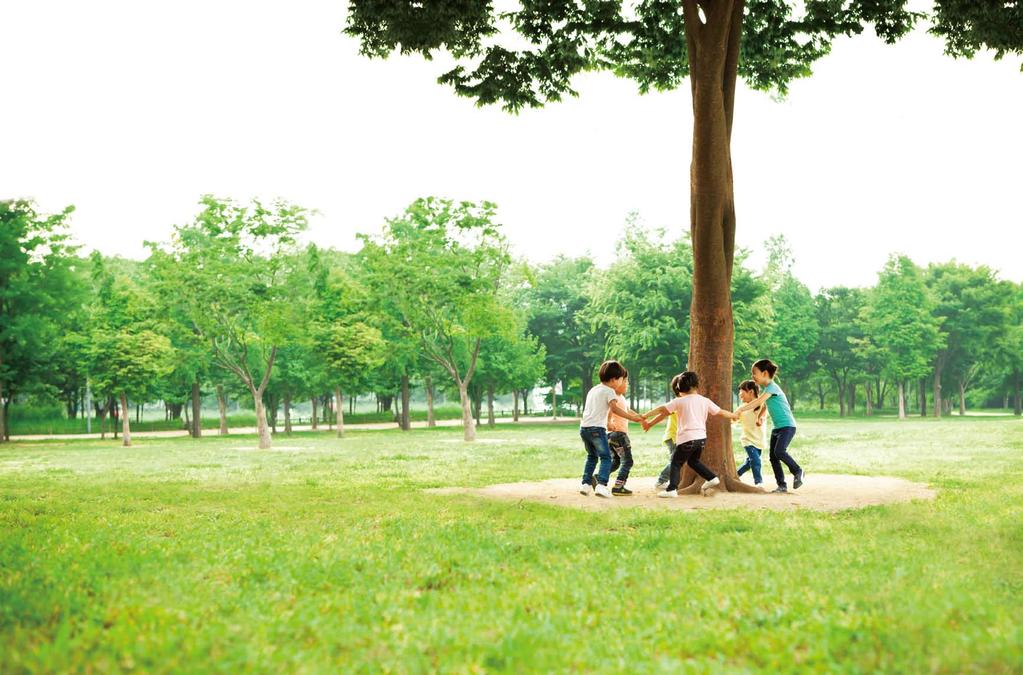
602, 399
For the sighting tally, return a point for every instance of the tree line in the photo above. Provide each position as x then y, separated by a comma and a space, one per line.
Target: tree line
233, 305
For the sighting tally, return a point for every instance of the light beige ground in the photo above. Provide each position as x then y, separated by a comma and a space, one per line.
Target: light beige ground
821, 492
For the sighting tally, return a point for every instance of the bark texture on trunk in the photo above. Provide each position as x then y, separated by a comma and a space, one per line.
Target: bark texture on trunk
406, 420
222, 406
338, 403
431, 421
125, 421
196, 410
468, 423
262, 427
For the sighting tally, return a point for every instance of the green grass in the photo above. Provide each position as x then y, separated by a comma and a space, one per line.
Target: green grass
182, 555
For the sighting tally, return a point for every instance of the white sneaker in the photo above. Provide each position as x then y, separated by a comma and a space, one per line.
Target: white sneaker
706, 487
660, 487
585, 489
602, 491
668, 494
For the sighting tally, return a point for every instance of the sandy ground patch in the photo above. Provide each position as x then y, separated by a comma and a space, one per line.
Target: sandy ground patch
821, 492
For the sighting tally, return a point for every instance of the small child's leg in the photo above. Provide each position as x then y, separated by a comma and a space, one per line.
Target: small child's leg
626, 462
591, 454
698, 466
753, 463
665, 475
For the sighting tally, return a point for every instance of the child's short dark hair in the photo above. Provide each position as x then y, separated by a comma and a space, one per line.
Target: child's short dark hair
684, 382
750, 385
612, 370
767, 366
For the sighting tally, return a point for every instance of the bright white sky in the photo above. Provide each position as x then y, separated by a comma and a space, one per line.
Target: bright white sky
130, 110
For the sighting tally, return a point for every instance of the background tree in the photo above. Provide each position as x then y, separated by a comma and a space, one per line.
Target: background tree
658, 44
353, 351
838, 316
38, 295
443, 263
232, 272
899, 325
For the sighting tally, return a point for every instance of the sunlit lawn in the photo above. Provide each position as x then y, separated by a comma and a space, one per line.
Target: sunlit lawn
325, 555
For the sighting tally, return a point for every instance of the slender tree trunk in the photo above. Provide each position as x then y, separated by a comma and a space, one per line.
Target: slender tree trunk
880, 392
902, 400
352, 400
431, 421
554, 400
852, 397
406, 418
490, 406
102, 422
3, 415
196, 410
922, 390
937, 388
515, 405
468, 424
114, 416
222, 409
339, 407
125, 421
868, 395
5, 421
1017, 386
477, 405
262, 426
287, 413
315, 421
962, 398
841, 397
820, 394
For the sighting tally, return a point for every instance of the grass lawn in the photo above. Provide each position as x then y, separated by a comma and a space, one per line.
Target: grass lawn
183, 555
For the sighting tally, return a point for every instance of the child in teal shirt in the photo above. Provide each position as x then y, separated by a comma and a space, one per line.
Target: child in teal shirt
778, 407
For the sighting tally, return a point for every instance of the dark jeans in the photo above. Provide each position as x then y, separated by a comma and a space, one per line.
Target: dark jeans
595, 441
688, 453
780, 439
666, 471
621, 455
752, 462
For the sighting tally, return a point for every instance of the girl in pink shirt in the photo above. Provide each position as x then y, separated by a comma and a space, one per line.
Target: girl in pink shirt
692, 410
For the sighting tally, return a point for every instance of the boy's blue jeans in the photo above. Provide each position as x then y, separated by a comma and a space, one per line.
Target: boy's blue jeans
752, 463
595, 441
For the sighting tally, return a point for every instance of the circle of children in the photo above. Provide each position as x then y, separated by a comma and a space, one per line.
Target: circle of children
605, 424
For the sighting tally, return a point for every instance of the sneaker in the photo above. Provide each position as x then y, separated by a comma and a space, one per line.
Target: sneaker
660, 487
668, 494
709, 485
780, 489
602, 491
798, 481
586, 489
623, 491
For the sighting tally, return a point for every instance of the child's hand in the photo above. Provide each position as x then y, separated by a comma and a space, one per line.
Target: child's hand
760, 421
645, 425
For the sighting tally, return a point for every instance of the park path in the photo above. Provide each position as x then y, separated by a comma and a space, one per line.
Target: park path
368, 426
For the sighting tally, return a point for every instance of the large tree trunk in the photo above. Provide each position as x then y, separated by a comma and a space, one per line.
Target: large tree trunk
902, 400
315, 421
338, 406
431, 421
713, 49
406, 418
468, 424
490, 405
937, 387
962, 398
287, 413
515, 405
222, 409
262, 427
125, 421
196, 410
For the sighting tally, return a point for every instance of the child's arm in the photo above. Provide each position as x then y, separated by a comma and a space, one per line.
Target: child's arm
754, 403
727, 413
658, 413
617, 408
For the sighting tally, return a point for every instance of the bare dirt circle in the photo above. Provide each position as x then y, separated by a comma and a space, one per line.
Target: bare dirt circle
820, 492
